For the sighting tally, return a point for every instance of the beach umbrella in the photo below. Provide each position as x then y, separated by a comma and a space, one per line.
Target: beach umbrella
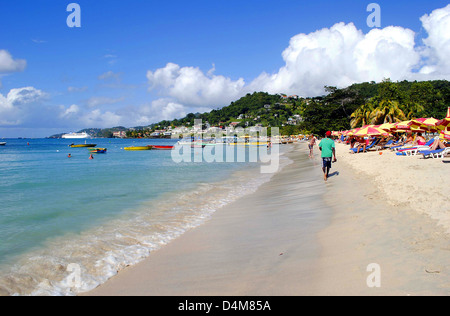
424, 124
371, 131
354, 131
443, 124
431, 121
445, 134
387, 126
403, 126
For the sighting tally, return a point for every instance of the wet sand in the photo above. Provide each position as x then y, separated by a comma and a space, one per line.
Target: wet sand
298, 235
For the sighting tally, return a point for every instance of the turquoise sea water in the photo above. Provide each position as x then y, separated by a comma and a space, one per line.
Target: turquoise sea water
101, 214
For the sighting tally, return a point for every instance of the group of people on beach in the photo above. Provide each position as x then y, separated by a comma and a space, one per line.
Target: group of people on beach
361, 144
396, 140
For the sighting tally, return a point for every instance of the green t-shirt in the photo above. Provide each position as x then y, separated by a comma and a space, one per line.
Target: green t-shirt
327, 145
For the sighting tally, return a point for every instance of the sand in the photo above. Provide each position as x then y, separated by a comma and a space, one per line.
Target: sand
298, 235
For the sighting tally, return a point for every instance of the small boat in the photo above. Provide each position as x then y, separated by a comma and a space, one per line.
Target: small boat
82, 145
76, 136
98, 150
162, 147
3, 144
138, 148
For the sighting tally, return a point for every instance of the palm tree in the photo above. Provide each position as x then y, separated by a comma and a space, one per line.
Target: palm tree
387, 111
363, 115
414, 110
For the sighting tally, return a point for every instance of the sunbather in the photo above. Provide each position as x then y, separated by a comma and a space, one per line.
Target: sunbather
420, 140
438, 144
362, 144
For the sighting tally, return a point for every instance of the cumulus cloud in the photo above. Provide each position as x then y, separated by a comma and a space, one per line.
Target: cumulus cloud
18, 104
338, 56
69, 112
74, 115
190, 86
9, 64
437, 50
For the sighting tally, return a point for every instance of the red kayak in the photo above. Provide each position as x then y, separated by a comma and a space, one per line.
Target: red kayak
162, 147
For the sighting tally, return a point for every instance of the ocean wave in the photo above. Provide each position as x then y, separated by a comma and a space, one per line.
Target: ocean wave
77, 263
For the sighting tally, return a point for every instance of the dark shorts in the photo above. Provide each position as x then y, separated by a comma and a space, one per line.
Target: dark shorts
310, 146
326, 162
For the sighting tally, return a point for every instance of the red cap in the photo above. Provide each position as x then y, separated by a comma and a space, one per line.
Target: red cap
328, 133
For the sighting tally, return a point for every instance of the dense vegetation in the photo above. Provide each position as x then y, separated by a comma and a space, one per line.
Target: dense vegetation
338, 109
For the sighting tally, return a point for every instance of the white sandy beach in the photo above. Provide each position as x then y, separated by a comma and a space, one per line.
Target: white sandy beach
380, 209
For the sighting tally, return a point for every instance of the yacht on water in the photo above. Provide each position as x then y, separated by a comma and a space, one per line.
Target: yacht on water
76, 136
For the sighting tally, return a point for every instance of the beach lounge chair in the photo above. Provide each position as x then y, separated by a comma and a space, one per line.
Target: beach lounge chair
355, 150
413, 150
438, 153
385, 146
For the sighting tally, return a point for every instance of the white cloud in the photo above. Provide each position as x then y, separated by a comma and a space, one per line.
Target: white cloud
164, 109
23, 96
70, 111
18, 104
437, 49
9, 64
97, 118
340, 56
190, 86
74, 115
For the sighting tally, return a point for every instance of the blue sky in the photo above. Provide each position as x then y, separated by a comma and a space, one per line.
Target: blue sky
115, 68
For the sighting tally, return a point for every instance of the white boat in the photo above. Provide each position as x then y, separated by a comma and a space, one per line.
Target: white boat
76, 136
2, 144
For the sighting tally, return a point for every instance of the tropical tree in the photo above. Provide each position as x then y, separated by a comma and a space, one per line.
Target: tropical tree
414, 110
387, 111
363, 115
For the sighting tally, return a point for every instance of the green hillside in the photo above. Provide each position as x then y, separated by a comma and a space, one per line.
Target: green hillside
337, 109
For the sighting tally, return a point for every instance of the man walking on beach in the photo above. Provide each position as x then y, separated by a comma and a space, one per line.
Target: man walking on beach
328, 149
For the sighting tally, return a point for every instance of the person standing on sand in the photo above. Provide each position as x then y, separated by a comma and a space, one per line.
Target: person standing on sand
312, 143
328, 149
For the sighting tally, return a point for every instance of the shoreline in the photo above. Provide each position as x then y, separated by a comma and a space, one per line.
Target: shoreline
262, 252
248, 247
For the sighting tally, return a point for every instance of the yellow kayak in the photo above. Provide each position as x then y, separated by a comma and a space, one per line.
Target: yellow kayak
137, 148
83, 145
